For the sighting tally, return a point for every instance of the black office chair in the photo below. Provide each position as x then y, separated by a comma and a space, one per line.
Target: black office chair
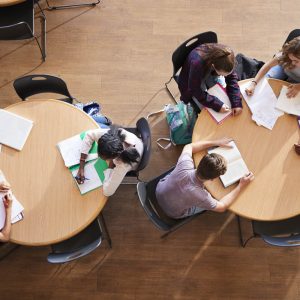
293, 34
49, 7
147, 197
181, 53
142, 130
284, 233
40, 83
81, 244
17, 23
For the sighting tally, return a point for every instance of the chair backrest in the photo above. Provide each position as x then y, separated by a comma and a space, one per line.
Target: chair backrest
180, 54
293, 34
285, 233
147, 197
40, 83
80, 245
144, 131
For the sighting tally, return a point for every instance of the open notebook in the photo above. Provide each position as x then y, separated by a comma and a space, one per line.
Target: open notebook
288, 105
221, 94
236, 166
14, 129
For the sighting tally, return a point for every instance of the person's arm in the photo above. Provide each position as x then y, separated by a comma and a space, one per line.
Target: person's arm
234, 93
228, 199
261, 73
5, 233
202, 145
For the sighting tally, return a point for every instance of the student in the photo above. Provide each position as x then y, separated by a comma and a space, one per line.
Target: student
121, 148
7, 201
202, 69
182, 193
285, 65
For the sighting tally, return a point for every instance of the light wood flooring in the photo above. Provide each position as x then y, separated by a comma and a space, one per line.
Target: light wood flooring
119, 54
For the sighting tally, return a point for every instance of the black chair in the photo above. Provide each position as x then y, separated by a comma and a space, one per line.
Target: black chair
71, 5
180, 54
293, 34
35, 84
284, 233
142, 130
81, 244
147, 197
17, 23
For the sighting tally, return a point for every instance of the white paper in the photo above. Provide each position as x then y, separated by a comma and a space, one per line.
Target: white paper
288, 105
70, 150
218, 92
262, 104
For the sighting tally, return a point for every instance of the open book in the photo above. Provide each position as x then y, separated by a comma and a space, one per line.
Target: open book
94, 172
70, 150
236, 167
16, 210
288, 105
14, 129
218, 91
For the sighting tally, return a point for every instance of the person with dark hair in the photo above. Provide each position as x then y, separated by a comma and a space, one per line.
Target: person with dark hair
119, 147
7, 202
182, 193
202, 69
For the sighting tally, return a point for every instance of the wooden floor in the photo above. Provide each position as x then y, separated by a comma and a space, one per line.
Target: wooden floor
119, 53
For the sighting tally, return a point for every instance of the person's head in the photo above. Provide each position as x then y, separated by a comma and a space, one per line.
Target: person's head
211, 166
112, 145
220, 58
291, 54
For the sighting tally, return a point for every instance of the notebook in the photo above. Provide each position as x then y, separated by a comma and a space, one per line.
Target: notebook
221, 94
236, 166
14, 129
288, 105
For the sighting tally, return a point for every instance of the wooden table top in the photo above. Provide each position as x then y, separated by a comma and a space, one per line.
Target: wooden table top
10, 2
269, 154
54, 208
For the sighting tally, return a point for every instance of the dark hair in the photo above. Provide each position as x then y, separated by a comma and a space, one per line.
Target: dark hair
110, 146
211, 166
292, 47
222, 57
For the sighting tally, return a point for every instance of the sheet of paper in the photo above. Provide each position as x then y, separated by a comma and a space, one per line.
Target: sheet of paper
262, 104
230, 154
288, 105
219, 92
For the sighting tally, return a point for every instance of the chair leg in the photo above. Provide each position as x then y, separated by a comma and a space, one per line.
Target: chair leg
71, 5
107, 236
168, 90
242, 241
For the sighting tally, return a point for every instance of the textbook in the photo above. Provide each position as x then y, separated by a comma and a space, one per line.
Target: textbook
70, 150
218, 91
16, 210
94, 172
288, 105
14, 129
236, 166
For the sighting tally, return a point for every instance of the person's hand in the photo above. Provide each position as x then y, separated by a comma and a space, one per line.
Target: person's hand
7, 201
224, 142
224, 109
293, 90
244, 181
250, 88
4, 186
236, 111
80, 176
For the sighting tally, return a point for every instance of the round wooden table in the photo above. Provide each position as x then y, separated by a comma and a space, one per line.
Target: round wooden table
269, 154
10, 2
54, 208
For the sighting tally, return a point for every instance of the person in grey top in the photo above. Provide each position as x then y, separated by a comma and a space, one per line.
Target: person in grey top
182, 193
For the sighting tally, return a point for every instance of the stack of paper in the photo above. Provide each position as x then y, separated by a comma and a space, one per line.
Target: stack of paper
262, 104
220, 93
288, 105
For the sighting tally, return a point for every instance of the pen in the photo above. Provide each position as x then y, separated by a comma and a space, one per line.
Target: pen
84, 178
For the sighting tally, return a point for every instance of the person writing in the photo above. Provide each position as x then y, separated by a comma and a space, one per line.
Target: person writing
119, 147
285, 65
182, 193
202, 69
7, 202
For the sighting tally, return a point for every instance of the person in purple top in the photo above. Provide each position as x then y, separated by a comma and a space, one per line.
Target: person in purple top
201, 70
